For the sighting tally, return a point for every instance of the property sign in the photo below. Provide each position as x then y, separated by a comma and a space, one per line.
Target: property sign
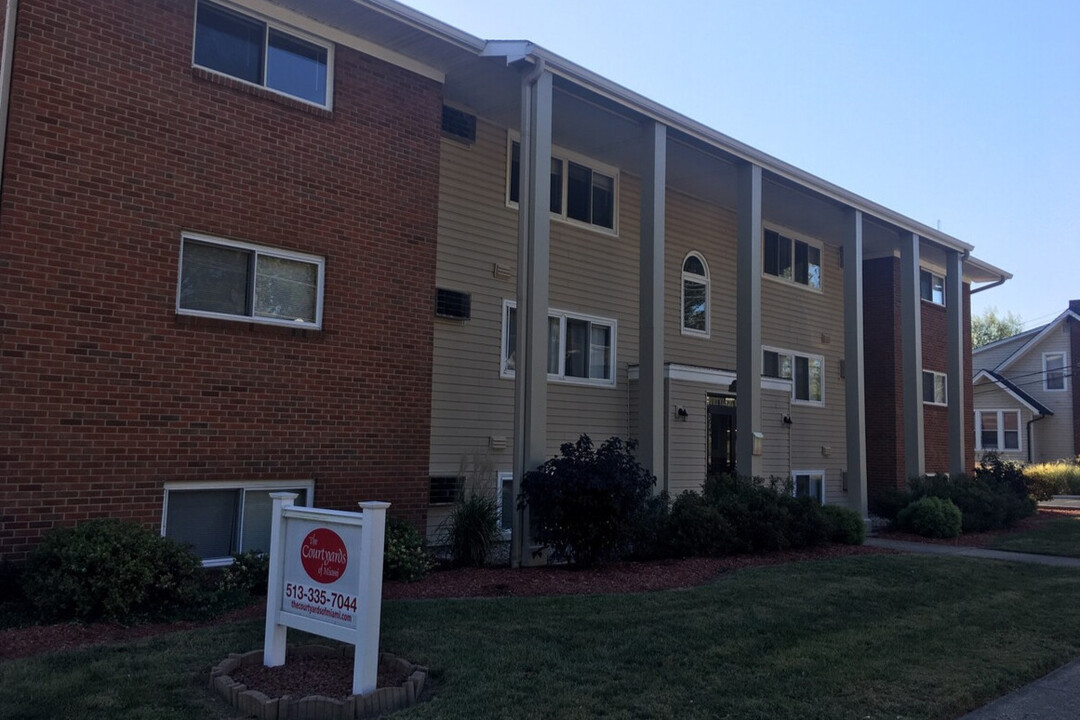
326, 579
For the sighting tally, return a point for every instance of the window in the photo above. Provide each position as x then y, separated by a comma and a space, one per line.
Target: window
997, 430
580, 348
218, 521
695, 296
792, 260
226, 279
932, 287
506, 504
262, 54
1054, 371
581, 192
805, 371
809, 483
934, 389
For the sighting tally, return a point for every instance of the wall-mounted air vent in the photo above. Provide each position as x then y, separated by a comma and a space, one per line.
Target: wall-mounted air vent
443, 489
458, 125
453, 304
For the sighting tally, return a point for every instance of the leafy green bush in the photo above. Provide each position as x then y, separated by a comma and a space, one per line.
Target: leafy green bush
472, 529
1003, 476
845, 525
1053, 478
246, 578
649, 536
887, 503
113, 570
765, 515
932, 517
405, 557
586, 503
697, 527
989, 502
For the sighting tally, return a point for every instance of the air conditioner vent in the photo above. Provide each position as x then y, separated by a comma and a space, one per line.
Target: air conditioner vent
458, 125
453, 304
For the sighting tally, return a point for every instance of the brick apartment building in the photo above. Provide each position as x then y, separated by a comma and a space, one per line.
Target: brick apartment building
223, 225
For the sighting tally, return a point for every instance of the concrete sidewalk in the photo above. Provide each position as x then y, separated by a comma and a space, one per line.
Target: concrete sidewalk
972, 552
1053, 697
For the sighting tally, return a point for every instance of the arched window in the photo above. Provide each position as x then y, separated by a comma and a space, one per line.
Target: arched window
695, 296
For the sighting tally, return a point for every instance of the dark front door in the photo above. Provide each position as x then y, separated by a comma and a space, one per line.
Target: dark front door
721, 434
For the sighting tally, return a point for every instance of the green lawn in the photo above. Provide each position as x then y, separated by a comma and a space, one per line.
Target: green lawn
1057, 537
883, 636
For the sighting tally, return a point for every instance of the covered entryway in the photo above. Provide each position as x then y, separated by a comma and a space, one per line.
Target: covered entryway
720, 435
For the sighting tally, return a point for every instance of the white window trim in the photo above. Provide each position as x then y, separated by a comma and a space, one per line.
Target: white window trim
282, 27
268, 485
568, 156
502, 477
560, 377
316, 260
794, 237
705, 280
813, 474
945, 382
933, 276
1064, 371
1000, 431
794, 354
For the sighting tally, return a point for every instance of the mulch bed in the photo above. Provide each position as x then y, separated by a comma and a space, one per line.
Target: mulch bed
329, 676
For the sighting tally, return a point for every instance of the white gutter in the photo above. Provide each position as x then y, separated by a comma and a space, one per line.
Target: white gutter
516, 50
421, 21
7, 55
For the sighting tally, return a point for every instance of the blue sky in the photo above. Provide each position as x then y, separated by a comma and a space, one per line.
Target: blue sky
961, 113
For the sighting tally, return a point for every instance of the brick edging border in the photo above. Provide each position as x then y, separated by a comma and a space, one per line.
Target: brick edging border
315, 707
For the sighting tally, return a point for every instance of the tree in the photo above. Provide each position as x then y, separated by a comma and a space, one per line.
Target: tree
990, 327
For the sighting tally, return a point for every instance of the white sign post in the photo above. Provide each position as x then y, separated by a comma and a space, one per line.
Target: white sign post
326, 579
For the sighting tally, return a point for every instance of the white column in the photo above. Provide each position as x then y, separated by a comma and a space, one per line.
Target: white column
911, 332
534, 246
651, 306
274, 639
748, 314
957, 379
855, 408
369, 617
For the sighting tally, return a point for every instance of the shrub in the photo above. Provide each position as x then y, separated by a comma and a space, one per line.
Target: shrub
764, 514
405, 557
931, 517
113, 570
586, 503
650, 535
472, 529
696, 527
988, 502
846, 526
887, 503
1053, 478
245, 578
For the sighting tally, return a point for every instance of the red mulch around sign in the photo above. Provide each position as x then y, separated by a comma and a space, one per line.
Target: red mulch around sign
300, 677
625, 577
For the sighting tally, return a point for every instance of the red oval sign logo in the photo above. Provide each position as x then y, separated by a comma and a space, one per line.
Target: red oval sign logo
324, 556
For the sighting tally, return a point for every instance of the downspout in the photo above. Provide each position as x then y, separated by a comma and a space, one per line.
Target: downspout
7, 55
1030, 452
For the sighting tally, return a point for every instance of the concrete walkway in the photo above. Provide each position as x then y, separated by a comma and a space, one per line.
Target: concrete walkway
1053, 697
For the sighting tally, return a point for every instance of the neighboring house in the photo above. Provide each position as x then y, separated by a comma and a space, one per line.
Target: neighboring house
1027, 405
337, 247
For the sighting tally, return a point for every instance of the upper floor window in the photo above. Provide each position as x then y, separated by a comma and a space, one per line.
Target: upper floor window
262, 54
934, 388
932, 287
1054, 377
793, 260
997, 430
695, 296
805, 371
581, 190
580, 348
234, 280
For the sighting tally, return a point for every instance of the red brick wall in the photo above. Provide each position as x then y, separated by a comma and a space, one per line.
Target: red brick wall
883, 358
115, 145
935, 356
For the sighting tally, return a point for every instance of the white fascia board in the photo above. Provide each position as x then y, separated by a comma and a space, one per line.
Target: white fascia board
425, 22
709, 376
327, 32
657, 112
985, 376
1022, 350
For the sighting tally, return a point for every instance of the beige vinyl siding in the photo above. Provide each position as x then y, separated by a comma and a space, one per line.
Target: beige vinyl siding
988, 396
775, 433
1052, 437
693, 225
592, 273
686, 444
802, 320
990, 356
